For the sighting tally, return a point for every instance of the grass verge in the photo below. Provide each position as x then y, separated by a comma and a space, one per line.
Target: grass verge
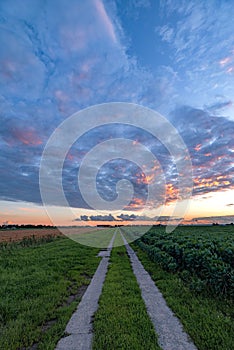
208, 320
40, 286
121, 321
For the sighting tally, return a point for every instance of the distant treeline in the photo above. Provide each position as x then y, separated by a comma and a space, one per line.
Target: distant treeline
14, 227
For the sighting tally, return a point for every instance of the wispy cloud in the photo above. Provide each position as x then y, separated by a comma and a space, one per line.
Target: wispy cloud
106, 20
220, 105
201, 52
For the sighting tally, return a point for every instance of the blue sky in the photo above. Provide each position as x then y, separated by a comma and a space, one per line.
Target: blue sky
58, 57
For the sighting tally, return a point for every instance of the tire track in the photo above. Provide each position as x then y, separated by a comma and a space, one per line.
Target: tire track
168, 327
79, 328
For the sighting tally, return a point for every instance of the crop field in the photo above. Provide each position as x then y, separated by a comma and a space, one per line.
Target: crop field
193, 268
19, 234
203, 256
42, 280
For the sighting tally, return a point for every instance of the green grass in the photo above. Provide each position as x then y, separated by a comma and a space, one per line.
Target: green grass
121, 321
118, 239
95, 238
39, 276
36, 282
208, 320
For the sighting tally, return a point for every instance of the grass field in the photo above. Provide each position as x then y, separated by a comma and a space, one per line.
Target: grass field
40, 286
95, 238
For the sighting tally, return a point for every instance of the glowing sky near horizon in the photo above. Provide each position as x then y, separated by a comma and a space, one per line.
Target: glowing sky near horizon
58, 57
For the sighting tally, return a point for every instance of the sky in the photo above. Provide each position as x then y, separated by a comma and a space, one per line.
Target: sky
59, 57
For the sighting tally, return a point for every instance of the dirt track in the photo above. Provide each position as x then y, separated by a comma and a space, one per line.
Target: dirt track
19, 234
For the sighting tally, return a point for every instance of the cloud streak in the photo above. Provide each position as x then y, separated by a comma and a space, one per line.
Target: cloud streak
106, 20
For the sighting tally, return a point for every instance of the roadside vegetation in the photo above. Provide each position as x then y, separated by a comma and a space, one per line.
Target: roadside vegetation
193, 268
121, 321
41, 283
203, 256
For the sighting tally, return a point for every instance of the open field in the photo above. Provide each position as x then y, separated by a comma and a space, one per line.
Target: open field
43, 279
19, 234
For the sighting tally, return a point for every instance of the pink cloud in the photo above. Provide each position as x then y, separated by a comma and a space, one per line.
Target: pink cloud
230, 70
225, 61
27, 137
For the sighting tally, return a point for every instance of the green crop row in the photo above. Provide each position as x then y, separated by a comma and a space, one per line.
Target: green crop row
203, 258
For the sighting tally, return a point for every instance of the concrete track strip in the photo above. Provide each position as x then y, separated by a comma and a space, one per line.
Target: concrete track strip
169, 329
79, 327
